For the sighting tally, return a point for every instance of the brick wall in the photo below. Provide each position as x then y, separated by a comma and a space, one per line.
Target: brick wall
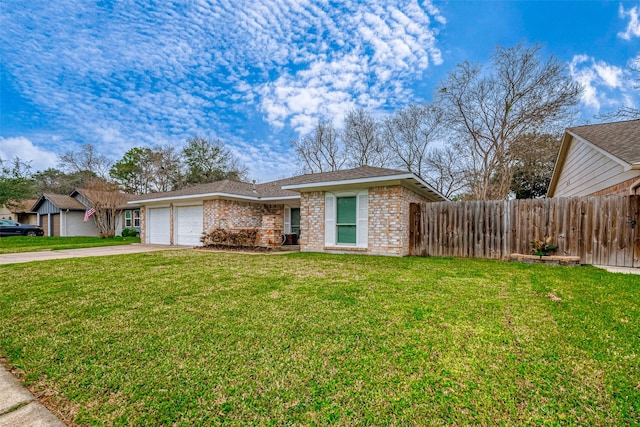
388, 225
143, 224
230, 214
389, 219
312, 221
621, 189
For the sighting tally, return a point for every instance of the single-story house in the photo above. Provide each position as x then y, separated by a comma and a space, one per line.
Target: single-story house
20, 212
598, 160
63, 215
363, 210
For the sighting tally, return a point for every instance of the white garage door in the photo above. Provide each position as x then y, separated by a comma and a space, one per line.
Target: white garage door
159, 227
188, 225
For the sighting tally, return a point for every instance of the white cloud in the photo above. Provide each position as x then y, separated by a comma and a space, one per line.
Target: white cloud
38, 158
633, 27
121, 74
606, 87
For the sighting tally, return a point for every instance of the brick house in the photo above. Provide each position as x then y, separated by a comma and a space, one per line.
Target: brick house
598, 160
361, 210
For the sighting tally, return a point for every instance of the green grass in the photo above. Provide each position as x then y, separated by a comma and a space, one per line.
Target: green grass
199, 338
33, 244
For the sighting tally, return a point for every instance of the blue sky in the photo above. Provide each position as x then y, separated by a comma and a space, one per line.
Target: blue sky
120, 74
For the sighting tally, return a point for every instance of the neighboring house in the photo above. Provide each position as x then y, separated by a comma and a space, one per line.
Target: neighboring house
20, 212
598, 160
63, 215
364, 210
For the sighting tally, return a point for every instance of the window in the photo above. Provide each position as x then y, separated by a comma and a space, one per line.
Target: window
132, 218
295, 221
346, 220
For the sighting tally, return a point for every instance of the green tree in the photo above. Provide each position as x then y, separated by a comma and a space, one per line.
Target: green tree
134, 170
207, 161
534, 166
53, 180
16, 183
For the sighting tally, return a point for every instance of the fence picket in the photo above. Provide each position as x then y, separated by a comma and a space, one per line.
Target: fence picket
597, 229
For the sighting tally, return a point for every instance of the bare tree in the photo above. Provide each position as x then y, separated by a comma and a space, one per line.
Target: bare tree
488, 110
165, 167
408, 134
87, 159
108, 202
320, 150
445, 171
362, 140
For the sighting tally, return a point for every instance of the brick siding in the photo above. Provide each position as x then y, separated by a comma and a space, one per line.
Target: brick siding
388, 224
621, 189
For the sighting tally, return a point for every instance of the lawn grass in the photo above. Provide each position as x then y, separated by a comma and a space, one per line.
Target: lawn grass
201, 338
16, 244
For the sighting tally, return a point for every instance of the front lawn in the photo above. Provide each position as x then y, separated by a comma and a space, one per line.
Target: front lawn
15, 244
197, 338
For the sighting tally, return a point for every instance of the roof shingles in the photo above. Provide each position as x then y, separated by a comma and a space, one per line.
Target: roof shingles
622, 139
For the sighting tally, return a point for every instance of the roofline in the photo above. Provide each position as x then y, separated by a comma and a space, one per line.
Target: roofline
211, 195
562, 157
377, 179
354, 181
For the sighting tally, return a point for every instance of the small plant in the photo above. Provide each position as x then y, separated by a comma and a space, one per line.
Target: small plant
129, 232
543, 247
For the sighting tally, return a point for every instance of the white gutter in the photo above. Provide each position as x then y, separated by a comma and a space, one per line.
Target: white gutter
376, 179
211, 195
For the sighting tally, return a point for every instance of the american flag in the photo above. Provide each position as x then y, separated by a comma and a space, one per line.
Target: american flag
88, 214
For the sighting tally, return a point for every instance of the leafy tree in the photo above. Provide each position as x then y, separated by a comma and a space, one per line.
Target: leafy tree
533, 169
320, 150
53, 180
16, 183
489, 109
207, 161
142, 170
133, 171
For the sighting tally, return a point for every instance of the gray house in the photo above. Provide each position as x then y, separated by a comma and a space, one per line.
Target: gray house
63, 215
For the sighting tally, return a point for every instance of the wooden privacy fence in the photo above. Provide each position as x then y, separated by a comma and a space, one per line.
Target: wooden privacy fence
600, 230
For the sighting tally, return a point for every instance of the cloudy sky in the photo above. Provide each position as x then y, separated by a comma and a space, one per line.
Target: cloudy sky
120, 74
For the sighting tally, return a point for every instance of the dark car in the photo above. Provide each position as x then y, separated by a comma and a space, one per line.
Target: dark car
12, 228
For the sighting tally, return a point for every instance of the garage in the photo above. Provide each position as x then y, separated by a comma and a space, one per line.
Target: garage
158, 228
188, 225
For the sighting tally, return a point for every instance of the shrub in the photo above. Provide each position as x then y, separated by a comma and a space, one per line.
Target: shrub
129, 232
543, 247
232, 238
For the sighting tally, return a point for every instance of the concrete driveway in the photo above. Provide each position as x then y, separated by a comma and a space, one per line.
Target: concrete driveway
84, 252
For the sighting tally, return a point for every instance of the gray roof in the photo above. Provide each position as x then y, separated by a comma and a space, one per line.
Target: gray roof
269, 189
622, 139
63, 202
361, 172
274, 189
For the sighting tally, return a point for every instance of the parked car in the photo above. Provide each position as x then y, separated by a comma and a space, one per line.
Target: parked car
12, 228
